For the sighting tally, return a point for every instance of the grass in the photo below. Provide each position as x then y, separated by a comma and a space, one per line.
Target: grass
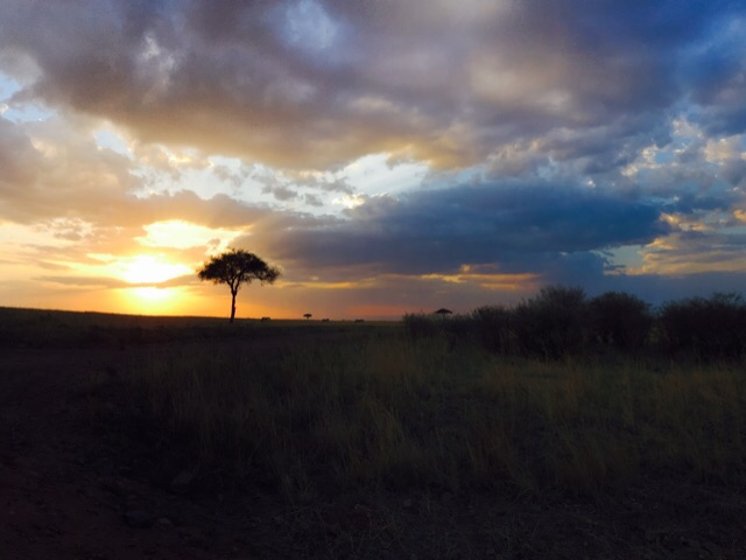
379, 409
34, 328
308, 408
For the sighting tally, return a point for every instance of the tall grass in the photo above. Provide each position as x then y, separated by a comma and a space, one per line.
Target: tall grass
395, 411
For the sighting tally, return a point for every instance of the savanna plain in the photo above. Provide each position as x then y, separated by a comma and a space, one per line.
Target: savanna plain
560, 428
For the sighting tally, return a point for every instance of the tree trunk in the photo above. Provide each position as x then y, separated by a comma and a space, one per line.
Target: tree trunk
233, 305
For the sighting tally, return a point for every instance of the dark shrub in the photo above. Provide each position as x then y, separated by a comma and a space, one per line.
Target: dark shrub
493, 323
711, 328
553, 323
458, 328
418, 325
620, 321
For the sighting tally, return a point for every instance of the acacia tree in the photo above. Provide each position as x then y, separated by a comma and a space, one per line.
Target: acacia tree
235, 267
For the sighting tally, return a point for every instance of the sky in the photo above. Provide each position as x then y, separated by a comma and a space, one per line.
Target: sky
388, 156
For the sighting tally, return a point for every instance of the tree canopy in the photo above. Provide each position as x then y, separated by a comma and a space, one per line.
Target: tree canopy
236, 267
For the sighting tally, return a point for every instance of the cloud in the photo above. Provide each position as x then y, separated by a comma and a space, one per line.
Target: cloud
249, 79
696, 251
518, 227
78, 281
54, 169
716, 71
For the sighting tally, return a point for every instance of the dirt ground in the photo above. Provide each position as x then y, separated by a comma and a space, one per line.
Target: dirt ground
72, 487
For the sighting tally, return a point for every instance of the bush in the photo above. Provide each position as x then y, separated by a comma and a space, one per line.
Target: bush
455, 329
552, 324
419, 325
494, 325
559, 322
458, 328
713, 328
620, 321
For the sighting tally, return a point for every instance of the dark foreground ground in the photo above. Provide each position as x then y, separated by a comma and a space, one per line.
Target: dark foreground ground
74, 486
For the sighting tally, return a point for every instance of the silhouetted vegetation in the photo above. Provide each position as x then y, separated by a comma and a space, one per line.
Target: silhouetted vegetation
494, 327
234, 268
561, 322
713, 328
553, 323
619, 321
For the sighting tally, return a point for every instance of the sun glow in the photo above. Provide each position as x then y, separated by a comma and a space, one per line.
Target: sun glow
180, 234
156, 295
152, 300
150, 269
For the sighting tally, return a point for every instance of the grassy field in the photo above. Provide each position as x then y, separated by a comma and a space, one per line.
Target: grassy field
34, 328
374, 409
315, 415
308, 407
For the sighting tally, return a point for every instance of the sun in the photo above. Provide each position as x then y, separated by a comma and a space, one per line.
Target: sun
148, 273
151, 300
151, 294
150, 269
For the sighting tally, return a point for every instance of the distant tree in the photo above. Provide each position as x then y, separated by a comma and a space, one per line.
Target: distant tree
307, 316
235, 267
443, 312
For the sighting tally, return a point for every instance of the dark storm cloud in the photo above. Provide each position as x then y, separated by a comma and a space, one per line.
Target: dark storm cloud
307, 83
518, 227
717, 71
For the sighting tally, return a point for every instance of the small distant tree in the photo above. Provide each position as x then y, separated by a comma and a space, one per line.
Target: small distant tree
443, 312
235, 267
307, 316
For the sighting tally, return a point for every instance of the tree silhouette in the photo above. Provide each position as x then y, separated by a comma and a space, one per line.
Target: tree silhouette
307, 316
235, 267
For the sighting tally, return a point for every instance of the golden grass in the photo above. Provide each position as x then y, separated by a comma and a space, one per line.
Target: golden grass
385, 410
